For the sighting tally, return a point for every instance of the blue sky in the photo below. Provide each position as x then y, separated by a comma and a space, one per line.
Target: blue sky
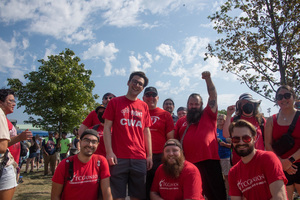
165, 39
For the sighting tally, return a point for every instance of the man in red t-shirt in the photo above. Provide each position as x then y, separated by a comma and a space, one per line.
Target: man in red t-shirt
161, 130
127, 140
197, 133
259, 174
176, 178
92, 118
89, 173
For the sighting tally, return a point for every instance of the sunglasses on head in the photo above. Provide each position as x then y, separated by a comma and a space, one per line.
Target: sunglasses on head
245, 138
106, 98
285, 95
150, 94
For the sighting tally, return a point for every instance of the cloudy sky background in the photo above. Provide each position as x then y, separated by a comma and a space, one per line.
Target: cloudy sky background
165, 39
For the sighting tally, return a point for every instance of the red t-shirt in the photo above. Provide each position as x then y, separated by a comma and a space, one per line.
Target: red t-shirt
86, 180
162, 123
91, 119
252, 180
279, 130
101, 148
187, 186
129, 120
259, 144
200, 141
15, 148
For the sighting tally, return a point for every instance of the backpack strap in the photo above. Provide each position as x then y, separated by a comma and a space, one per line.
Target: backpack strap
293, 124
69, 171
96, 127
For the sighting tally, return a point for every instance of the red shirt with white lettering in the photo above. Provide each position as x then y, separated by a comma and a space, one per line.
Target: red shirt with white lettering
200, 141
86, 180
187, 186
130, 118
162, 123
91, 119
101, 148
252, 180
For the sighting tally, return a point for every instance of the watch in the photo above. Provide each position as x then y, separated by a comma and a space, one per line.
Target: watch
292, 159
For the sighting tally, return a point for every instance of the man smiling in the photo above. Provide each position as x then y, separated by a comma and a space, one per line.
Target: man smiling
259, 174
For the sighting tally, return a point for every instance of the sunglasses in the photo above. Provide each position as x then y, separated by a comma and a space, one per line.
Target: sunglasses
150, 94
245, 138
285, 95
106, 98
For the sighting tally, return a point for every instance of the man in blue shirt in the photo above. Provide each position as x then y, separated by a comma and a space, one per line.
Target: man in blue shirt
49, 153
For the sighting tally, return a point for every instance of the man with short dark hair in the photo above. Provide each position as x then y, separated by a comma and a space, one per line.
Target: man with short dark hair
197, 133
84, 175
181, 112
49, 151
161, 130
176, 178
127, 140
64, 146
169, 106
92, 118
259, 174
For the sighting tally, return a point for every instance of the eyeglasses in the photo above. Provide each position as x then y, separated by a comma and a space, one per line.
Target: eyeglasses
150, 94
285, 95
245, 138
106, 98
136, 82
12, 101
88, 141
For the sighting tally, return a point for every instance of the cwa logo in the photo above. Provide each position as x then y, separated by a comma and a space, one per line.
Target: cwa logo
124, 111
154, 119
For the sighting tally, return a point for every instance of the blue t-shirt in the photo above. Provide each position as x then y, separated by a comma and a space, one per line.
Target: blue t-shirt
224, 152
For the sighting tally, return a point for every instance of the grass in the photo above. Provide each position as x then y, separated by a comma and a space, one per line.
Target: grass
35, 186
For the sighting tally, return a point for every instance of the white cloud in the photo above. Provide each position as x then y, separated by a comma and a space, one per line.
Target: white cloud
50, 51
7, 54
140, 63
25, 43
106, 52
163, 86
194, 47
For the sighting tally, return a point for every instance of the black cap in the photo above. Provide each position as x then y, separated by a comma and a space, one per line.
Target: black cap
108, 94
90, 132
150, 90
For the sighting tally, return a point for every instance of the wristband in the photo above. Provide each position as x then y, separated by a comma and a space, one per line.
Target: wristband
292, 159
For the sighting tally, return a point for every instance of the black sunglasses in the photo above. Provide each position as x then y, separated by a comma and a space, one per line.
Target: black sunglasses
106, 98
285, 95
150, 94
245, 138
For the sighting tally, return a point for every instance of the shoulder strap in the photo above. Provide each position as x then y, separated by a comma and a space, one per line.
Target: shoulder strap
237, 117
69, 171
96, 127
187, 127
293, 124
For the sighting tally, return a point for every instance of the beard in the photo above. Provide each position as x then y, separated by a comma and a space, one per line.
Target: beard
173, 170
246, 152
100, 114
193, 115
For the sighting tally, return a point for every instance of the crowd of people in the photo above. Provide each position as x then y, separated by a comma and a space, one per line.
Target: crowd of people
131, 147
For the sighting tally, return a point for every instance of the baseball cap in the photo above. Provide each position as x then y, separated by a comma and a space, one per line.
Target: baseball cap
150, 89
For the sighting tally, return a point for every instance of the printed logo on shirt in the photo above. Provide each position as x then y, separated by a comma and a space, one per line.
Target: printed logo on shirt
84, 179
251, 182
154, 119
135, 113
184, 124
168, 186
124, 111
131, 122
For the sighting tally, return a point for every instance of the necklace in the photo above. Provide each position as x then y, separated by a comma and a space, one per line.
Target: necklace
284, 118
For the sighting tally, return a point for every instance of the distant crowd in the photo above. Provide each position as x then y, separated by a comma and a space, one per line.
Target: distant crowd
129, 147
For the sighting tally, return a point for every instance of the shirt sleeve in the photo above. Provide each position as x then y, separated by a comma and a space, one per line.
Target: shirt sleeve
89, 119
169, 123
273, 168
4, 133
155, 186
59, 174
104, 168
191, 184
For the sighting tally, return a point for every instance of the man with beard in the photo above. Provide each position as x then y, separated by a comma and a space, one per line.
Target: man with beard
84, 175
176, 178
259, 174
197, 133
246, 108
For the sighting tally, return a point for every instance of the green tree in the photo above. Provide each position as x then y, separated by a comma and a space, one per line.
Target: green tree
60, 92
223, 111
260, 44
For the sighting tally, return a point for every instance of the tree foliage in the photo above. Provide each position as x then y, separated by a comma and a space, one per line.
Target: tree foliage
260, 44
60, 92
